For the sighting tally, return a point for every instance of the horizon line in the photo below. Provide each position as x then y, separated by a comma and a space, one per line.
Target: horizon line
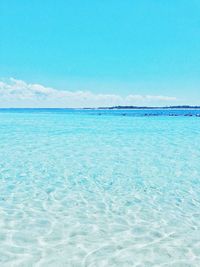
111, 107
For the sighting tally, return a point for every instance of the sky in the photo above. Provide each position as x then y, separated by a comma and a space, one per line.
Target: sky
74, 53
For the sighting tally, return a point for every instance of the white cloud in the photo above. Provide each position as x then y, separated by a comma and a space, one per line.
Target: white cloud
17, 93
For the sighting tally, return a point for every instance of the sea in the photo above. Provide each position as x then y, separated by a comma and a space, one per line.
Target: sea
99, 188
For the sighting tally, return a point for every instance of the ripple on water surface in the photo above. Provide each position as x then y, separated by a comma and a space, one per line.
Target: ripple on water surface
81, 190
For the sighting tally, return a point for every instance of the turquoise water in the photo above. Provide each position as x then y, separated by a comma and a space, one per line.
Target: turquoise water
78, 189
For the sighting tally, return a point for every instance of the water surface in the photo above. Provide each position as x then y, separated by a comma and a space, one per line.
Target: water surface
99, 188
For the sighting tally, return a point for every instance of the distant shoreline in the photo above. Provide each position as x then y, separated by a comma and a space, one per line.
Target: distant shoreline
144, 108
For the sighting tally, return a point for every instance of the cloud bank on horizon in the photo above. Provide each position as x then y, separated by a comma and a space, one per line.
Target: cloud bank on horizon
18, 93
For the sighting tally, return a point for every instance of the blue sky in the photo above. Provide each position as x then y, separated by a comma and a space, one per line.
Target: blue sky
139, 48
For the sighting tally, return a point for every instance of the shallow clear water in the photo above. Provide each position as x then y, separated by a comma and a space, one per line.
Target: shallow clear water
78, 189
